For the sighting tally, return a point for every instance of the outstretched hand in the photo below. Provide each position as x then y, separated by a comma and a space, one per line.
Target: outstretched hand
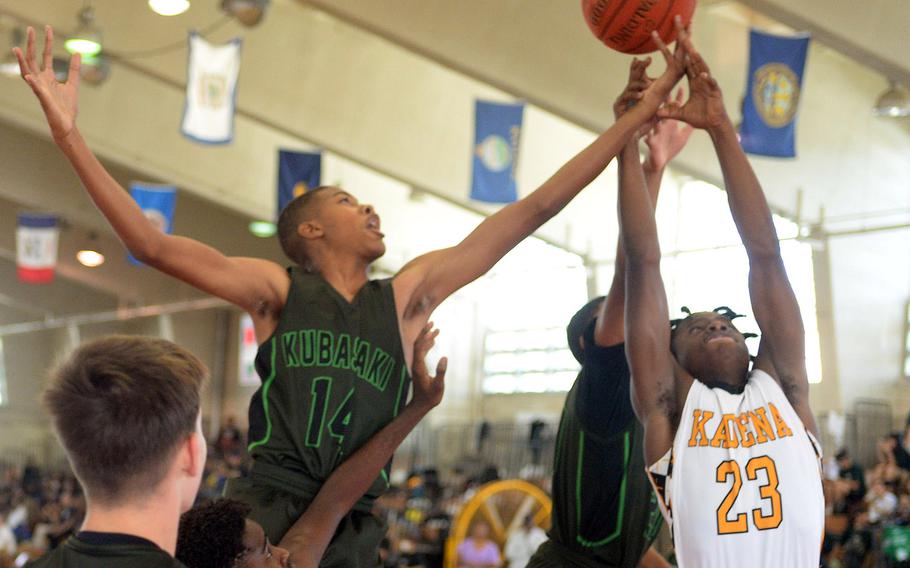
635, 88
675, 60
428, 390
58, 100
705, 107
667, 138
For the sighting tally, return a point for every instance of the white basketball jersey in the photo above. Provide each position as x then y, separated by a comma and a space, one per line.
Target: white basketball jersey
741, 485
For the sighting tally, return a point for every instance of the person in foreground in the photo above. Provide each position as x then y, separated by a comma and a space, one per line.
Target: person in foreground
605, 513
219, 534
127, 412
733, 453
334, 345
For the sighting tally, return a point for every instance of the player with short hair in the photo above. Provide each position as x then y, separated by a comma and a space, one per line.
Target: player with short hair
334, 345
732, 449
127, 412
605, 513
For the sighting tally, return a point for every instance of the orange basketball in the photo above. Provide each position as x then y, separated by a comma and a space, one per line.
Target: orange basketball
626, 25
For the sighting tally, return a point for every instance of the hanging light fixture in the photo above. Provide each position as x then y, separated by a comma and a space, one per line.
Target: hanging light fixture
169, 7
87, 37
90, 255
95, 69
263, 229
893, 103
248, 12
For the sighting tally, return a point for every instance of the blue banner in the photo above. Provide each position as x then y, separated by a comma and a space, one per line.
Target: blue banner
776, 66
298, 172
157, 203
497, 131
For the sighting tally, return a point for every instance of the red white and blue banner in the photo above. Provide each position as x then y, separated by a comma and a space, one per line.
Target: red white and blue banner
157, 203
211, 89
497, 131
37, 237
776, 65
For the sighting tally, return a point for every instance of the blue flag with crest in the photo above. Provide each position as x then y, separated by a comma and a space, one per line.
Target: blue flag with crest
157, 203
497, 131
298, 172
776, 65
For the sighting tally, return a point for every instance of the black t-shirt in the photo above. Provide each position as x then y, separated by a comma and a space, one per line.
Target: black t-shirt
106, 550
604, 510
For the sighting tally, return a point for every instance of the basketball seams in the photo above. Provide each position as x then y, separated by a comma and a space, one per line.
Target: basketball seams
659, 27
622, 24
604, 29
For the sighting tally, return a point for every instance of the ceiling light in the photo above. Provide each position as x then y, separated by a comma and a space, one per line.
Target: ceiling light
169, 7
90, 258
894, 102
248, 12
87, 37
263, 229
95, 69
90, 254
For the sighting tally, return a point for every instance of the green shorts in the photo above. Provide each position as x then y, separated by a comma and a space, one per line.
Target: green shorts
356, 541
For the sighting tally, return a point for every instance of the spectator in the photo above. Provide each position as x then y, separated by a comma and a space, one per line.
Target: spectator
523, 543
852, 486
7, 539
478, 551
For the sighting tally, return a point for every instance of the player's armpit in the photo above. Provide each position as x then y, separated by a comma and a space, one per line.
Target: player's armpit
257, 286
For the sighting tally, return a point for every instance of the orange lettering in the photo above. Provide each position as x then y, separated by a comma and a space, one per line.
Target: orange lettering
743, 424
725, 433
782, 429
763, 430
699, 437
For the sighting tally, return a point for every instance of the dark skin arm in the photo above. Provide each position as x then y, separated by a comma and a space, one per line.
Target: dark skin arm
428, 280
654, 389
782, 352
665, 140
311, 534
257, 286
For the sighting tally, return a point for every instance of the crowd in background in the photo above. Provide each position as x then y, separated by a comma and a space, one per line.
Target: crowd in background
868, 521
868, 517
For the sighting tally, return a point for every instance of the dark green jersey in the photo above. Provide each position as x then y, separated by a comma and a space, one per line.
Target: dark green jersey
604, 510
333, 374
106, 550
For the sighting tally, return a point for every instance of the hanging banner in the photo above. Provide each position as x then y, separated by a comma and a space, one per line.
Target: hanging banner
37, 237
157, 203
776, 66
247, 353
298, 172
497, 130
211, 89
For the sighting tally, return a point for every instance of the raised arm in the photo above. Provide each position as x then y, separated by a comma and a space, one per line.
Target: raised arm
252, 284
782, 352
665, 139
427, 281
311, 534
654, 391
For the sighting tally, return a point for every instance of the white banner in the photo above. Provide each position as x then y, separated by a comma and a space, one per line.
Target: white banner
211, 88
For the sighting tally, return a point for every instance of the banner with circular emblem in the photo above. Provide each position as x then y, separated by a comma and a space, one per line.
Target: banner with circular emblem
776, 65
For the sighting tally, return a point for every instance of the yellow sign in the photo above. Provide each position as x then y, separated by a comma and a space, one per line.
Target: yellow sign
775, 92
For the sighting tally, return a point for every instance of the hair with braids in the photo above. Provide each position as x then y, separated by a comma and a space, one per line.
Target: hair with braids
724, 311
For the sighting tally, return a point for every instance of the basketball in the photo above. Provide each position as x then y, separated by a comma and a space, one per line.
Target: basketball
626, 25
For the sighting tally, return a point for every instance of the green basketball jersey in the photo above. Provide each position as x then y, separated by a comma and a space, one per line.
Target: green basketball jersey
604, 510
104, 550
333, 374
